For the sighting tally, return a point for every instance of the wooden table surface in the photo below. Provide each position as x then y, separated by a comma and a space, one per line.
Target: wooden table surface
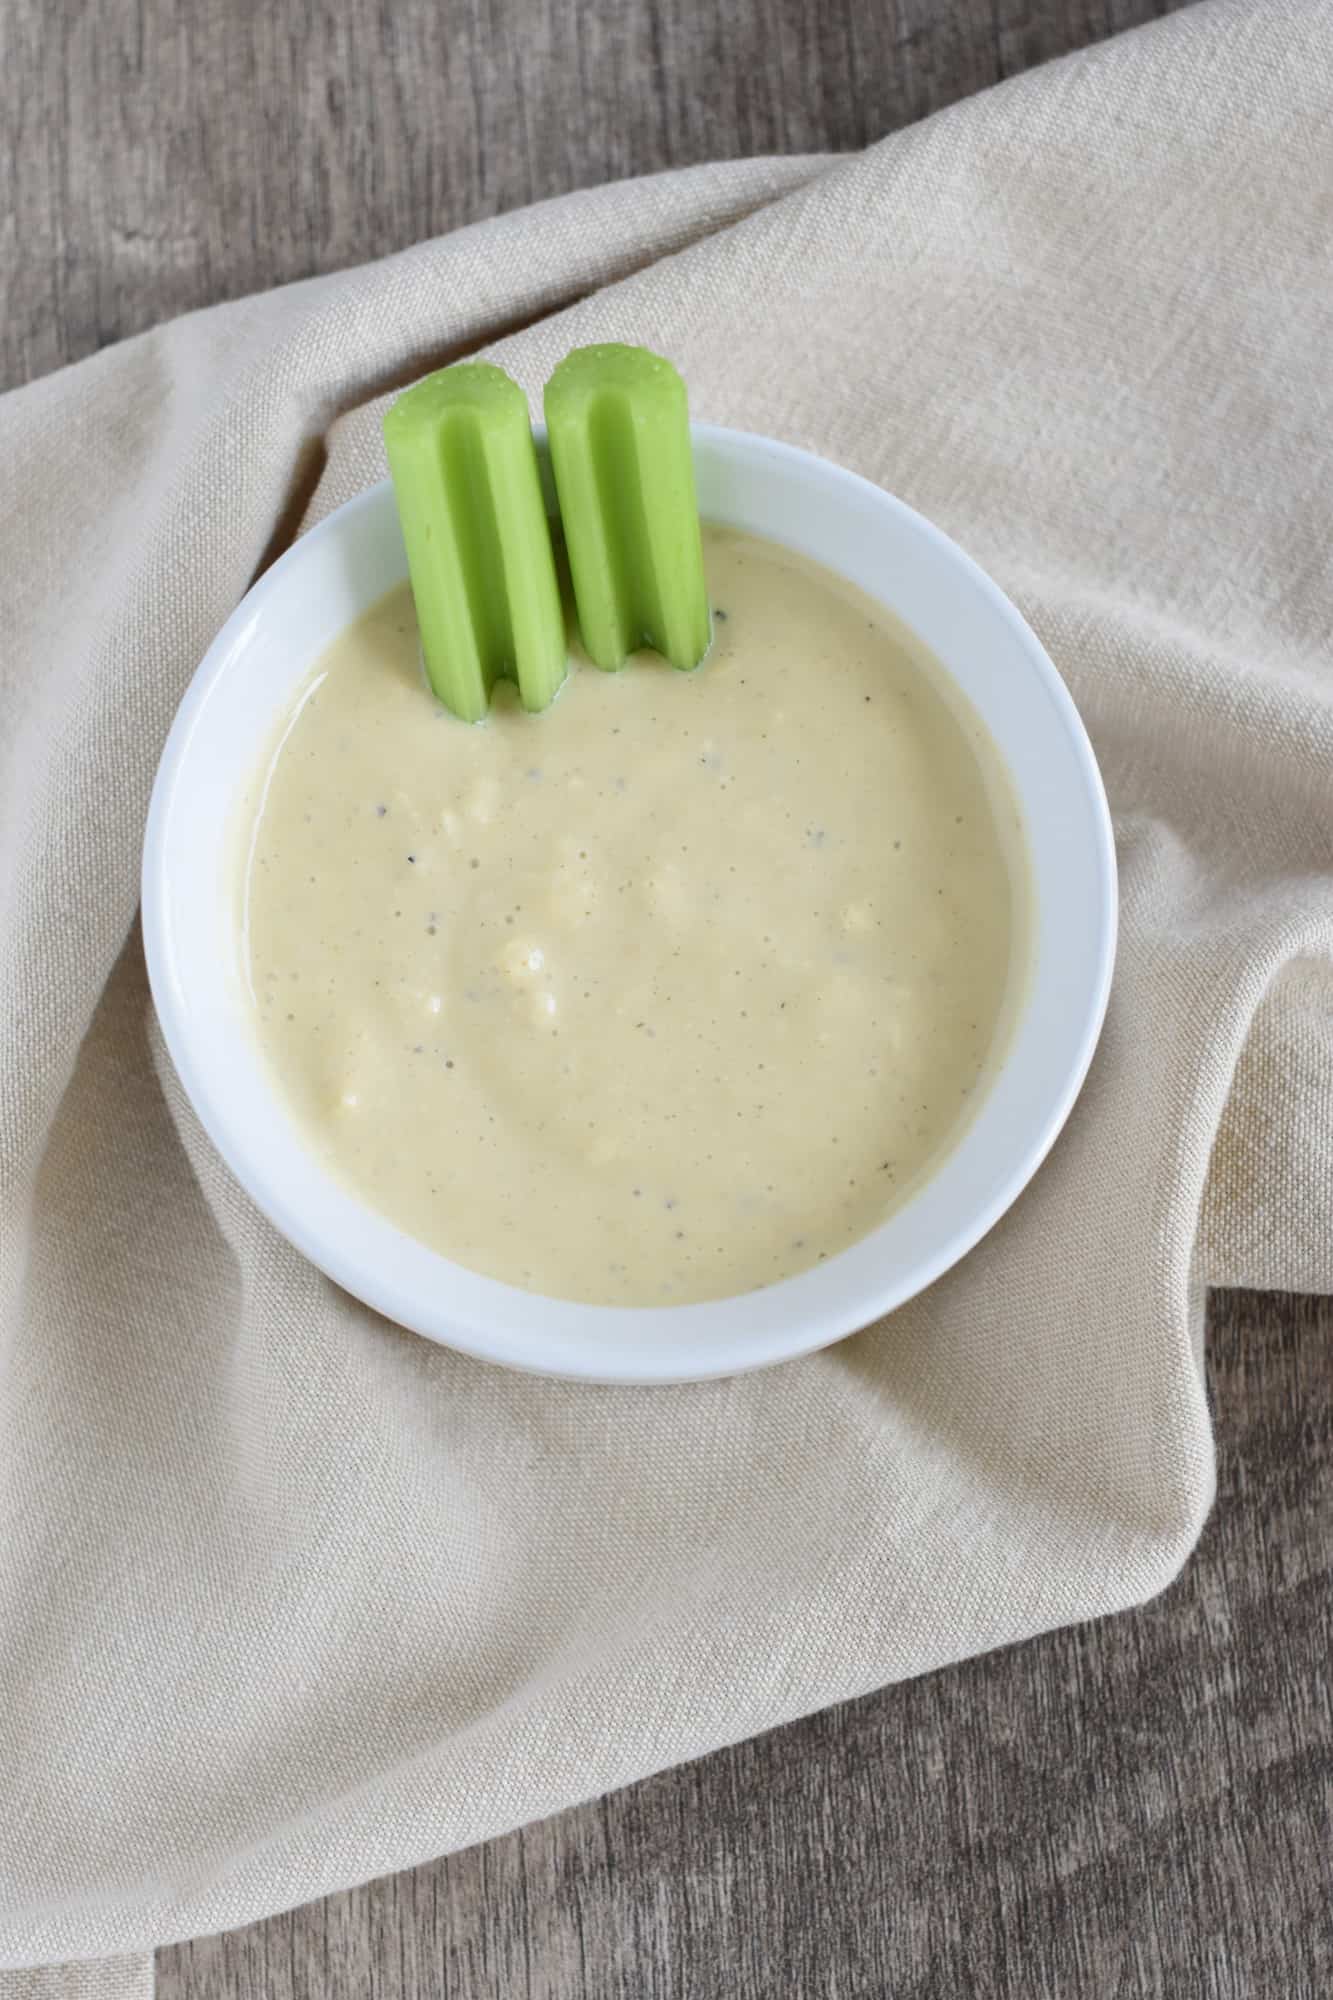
1140, 1807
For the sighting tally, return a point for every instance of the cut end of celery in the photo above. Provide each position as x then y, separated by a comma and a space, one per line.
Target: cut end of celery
479, 554
617, 420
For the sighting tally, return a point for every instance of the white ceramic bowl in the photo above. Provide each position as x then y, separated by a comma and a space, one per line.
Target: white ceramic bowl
191, 934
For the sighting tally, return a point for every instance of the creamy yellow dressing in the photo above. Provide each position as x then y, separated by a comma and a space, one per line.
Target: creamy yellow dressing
662, 995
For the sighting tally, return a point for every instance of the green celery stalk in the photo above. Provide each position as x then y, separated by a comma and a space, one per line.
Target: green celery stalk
617, 419
479, 553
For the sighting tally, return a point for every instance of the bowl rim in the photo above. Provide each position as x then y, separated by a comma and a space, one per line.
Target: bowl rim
656, 1335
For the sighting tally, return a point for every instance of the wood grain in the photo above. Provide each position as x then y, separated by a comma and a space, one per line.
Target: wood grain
158, 157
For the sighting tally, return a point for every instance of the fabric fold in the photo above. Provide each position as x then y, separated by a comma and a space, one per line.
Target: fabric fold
289, 1598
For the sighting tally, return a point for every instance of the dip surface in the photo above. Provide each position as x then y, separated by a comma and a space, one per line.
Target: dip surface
664, 994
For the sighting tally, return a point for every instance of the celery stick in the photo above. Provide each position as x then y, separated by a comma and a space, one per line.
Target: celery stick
478, 542
618, 423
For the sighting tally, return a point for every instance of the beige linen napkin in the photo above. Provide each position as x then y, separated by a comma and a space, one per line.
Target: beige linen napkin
288, 1597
